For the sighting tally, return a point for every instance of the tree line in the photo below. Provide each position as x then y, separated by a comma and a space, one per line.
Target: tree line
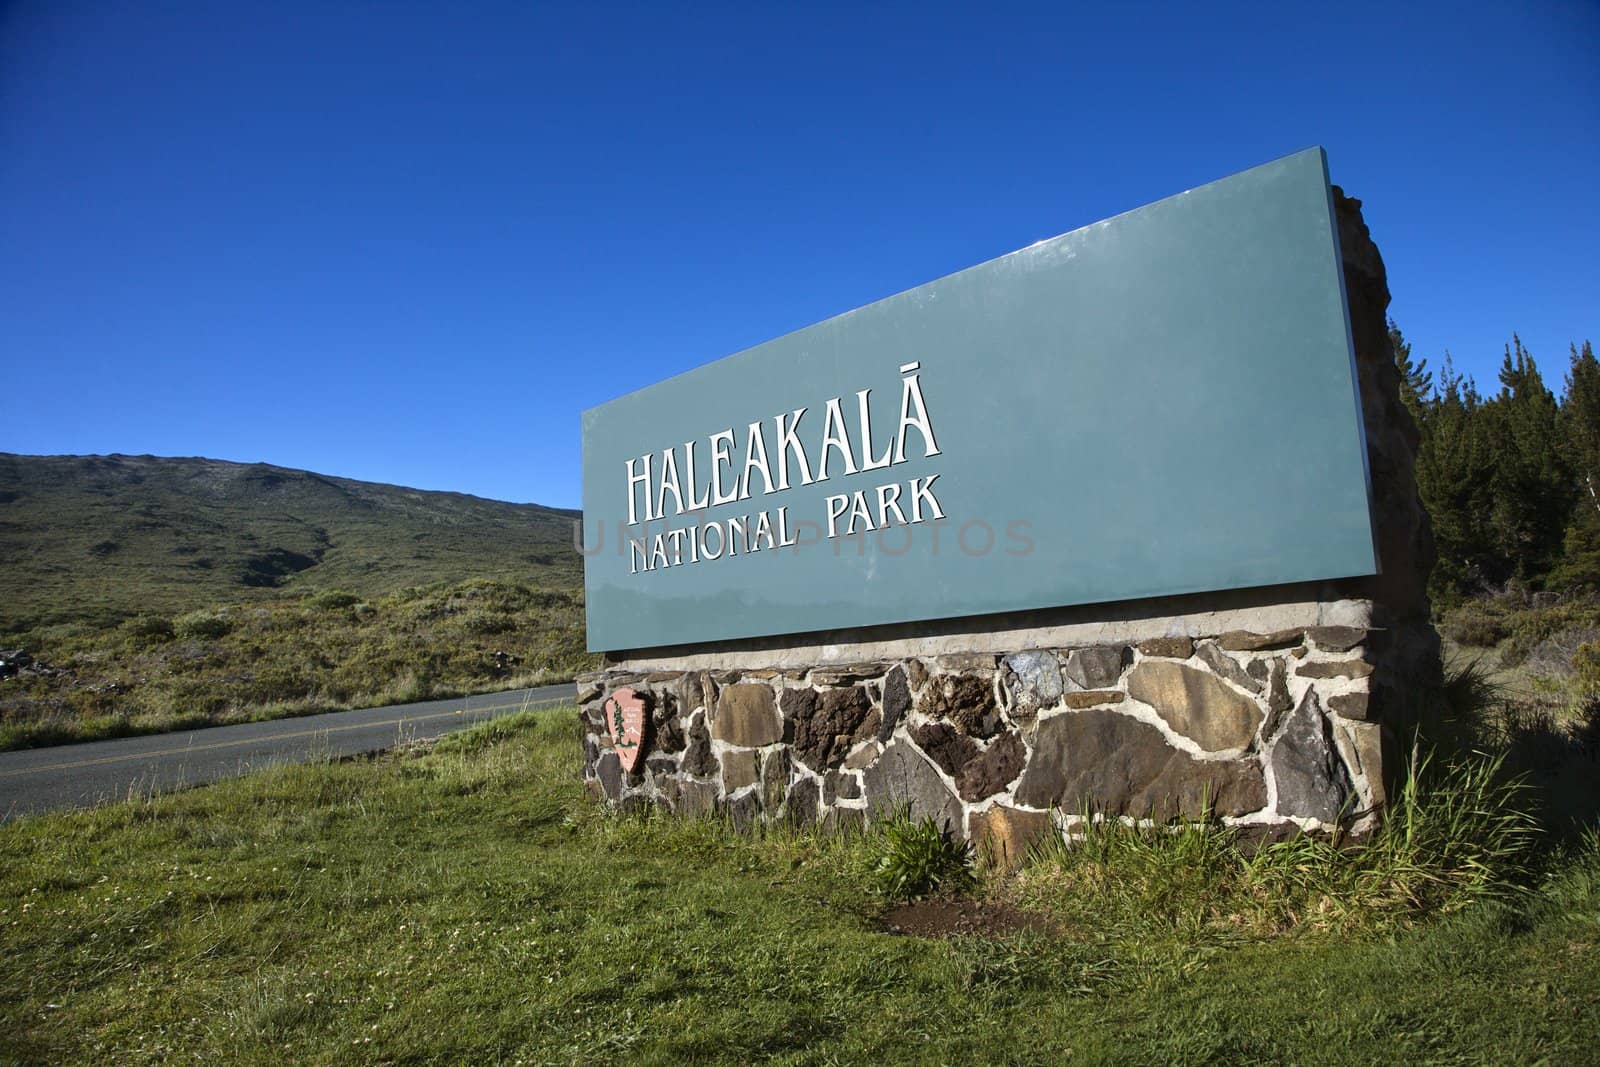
1512, 479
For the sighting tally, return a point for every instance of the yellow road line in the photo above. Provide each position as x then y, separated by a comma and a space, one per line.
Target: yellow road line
279, 737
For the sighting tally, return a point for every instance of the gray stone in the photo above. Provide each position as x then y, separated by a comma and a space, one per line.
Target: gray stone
840, 785
993, 769
902, 778
697, 690
1098, 667
738, 769
1245, 641
1352, 668
747, 716
774, 778
1226, 666
742, 811
588, 691
945, 745
1034, 682
964, 699
609, 770
1168, 647
591, 749
802, 810
1336, 638
1196, 705
1093, 698
1257, 669
826, 725
668, 733
1101, 761
695, 799
896, 702
697, 757
1310, 781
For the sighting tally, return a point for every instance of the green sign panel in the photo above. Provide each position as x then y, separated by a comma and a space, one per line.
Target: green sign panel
1160, 403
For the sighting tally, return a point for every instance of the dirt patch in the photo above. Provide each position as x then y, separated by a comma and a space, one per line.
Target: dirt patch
962, 918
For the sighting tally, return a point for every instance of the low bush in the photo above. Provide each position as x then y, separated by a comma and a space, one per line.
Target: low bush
913, 860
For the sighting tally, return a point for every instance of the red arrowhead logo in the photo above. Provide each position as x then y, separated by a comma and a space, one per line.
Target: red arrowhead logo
625, 722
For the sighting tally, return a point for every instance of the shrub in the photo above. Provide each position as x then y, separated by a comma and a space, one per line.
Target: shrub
202, 625
148, 628
919, 859
1475, 625
334, 600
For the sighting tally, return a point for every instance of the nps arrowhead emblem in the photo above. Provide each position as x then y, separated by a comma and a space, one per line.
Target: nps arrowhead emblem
625, 722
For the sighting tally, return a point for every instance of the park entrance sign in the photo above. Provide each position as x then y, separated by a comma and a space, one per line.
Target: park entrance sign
1121, 524
1161, 403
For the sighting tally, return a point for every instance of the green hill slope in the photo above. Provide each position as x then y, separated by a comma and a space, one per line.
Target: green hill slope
97, 539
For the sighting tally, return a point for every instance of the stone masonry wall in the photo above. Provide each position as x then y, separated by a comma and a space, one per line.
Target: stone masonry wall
1248, 727
1259, 707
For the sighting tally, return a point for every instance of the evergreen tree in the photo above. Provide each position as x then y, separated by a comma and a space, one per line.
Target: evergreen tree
1580, 439
1532, 487
1454, 470
1415, 381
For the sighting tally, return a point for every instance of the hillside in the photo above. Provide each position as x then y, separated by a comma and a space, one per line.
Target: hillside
98, 539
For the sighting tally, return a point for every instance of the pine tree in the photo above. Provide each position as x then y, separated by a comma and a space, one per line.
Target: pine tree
1415, 381
1532, 487
1454, 470
1580, 439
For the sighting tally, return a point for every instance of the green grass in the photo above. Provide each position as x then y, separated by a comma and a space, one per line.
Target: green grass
468, 904
292, 655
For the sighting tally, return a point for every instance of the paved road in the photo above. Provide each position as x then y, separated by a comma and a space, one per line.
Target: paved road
76, 776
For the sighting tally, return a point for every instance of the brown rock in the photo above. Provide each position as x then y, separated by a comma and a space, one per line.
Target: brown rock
965, 699
1092, 698
1170, 647
738, 769
826, 724
1352, 668
945, 745
993, 769
1363, 746
916, 672
1196, 705
846, 674
747, 716
1245, 641
1003, 835
1278, 699
1102, 761
1336, 638
862, 757
662, 676
609, 770
1350, 705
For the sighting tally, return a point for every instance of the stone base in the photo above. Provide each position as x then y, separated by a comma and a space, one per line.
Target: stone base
1245, 726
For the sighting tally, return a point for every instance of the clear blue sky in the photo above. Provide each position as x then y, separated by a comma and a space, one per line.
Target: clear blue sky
410, 243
